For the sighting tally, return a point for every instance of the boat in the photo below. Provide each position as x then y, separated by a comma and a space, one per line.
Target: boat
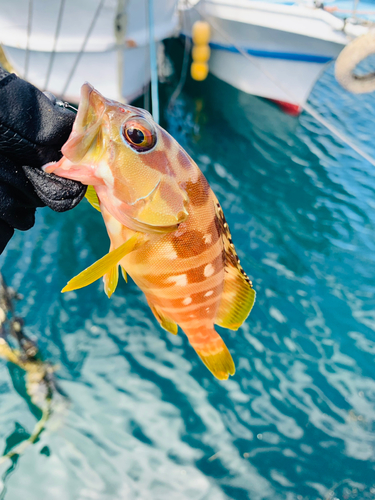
58, 45
275, 50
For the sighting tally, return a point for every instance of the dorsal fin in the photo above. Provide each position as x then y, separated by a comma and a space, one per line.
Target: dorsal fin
238, 295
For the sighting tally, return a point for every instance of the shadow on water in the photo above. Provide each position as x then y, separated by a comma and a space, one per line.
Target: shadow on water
147, 420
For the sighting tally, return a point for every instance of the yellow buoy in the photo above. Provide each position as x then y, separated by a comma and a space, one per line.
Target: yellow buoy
199, 71
201, 51
201, 33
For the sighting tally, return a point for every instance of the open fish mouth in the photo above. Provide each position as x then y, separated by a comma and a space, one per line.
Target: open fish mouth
83, 108
87, 123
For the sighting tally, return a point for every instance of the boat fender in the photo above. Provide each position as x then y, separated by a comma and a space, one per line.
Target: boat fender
201, 51
349, 58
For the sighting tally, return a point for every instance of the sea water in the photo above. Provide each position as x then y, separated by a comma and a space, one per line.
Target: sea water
144, 418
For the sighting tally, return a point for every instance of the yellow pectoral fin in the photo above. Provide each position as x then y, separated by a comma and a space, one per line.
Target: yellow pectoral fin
110, 281
92, 197
105, 264
163, 208
164, 321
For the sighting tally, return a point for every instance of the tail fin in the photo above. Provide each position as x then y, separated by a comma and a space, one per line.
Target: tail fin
213, 352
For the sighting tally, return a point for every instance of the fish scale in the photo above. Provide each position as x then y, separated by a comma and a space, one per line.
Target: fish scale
166, 227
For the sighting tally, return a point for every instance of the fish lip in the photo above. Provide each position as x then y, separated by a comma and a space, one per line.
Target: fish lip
89, 118
83, 107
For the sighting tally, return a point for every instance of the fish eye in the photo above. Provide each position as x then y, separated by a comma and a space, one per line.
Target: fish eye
139, 134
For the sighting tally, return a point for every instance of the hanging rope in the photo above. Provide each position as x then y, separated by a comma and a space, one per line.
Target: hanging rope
185, 65
57, 33
305, 107
79, 55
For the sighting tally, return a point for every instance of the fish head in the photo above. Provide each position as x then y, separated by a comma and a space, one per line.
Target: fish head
129, 159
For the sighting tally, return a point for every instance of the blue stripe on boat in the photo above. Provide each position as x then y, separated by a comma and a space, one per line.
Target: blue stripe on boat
289, 56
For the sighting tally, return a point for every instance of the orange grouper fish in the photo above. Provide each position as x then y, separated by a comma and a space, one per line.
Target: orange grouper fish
166, 226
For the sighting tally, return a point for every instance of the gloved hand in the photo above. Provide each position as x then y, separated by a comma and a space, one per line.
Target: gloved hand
32, 132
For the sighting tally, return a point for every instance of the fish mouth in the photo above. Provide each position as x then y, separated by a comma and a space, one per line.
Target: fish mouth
86, 125
83, 107
91, 108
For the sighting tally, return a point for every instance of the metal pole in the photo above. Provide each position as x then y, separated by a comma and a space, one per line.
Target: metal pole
355, 6
153, 63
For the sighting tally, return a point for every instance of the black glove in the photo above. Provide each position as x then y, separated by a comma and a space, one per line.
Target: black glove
32, 132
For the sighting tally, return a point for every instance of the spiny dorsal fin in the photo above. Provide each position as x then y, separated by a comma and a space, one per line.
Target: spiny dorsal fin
164, 321
238, 295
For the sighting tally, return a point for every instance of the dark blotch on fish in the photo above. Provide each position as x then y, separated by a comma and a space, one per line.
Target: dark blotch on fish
199, 191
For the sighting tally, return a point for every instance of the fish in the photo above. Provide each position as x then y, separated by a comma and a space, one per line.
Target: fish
166, 227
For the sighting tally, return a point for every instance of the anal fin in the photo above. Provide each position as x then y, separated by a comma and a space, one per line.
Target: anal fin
164, 321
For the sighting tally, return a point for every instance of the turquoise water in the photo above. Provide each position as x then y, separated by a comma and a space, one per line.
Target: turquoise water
145, 419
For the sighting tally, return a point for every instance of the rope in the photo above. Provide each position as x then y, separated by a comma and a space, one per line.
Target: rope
338, 134
79, 55
355, 6
306, 107
153, 64
29, 25
184, 69
57, 33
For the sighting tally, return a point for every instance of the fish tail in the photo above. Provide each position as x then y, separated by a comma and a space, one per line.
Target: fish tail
212, 350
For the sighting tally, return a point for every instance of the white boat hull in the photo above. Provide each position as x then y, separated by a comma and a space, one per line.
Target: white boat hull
280, 80
102, 69
271, 50
116, 62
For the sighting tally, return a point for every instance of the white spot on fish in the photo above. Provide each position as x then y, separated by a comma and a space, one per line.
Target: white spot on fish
104, 172
187, 301
209, 270
207, 238
209, 293
170, 252
192, 316
113, 226
179, 280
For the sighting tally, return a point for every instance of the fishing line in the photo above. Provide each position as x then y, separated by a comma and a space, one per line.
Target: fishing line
305, 107
29, 25
57, 33
79, 55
